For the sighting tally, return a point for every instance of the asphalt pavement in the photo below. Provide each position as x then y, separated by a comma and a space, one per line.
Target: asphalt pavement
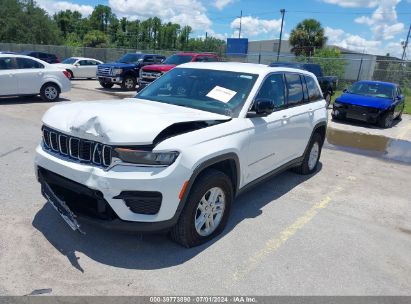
344, 230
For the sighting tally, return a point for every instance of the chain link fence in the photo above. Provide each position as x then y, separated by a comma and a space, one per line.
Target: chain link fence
348, 68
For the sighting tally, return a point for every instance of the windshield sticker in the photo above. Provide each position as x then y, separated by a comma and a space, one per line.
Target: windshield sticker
221, 94
246, 76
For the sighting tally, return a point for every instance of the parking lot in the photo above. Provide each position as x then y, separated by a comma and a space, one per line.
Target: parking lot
345, 230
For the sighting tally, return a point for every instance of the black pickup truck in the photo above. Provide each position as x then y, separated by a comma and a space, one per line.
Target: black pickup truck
328, 84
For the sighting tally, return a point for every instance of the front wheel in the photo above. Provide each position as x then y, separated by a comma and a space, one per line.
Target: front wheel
386, 120
106, 85
129, 83
327, 98
311, 157
206, 210
50, 92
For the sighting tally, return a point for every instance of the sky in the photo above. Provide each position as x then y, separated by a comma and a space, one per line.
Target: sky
371, 26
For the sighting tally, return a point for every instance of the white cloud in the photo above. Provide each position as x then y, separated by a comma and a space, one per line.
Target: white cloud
251, 26
357, 43
220, 4
353, 3
185, 12
383, 22
53, 7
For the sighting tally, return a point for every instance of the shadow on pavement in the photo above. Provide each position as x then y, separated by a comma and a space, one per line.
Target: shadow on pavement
27, 100
153, 251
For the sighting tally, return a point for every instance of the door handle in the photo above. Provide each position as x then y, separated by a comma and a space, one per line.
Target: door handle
40, 73
285, 116
310, 112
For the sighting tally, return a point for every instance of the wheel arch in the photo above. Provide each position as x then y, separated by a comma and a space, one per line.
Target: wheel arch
228, 163
51, 82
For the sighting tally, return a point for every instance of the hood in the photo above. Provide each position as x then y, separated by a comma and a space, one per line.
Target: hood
365, 101
118, 65
159, 67
131, 121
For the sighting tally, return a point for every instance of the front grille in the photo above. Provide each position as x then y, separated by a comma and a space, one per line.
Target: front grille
150, 75
73, 148
103, 71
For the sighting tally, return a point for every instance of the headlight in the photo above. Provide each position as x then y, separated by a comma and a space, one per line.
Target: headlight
115, 72
145, 158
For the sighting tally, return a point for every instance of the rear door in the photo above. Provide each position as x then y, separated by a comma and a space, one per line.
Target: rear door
299, 117
8, 80
29, 75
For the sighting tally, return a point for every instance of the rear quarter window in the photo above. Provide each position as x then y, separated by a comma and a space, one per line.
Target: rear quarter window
314, 92
294, 89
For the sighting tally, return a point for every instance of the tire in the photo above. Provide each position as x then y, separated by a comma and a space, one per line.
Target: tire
129, 83
50, 92
106, 85
210, 182
311, 158
386, 120
71, 74
327, 98
399, 117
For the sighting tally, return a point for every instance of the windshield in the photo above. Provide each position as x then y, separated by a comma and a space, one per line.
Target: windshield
379, 90
178, 59
219, 92
130, 58
69, 61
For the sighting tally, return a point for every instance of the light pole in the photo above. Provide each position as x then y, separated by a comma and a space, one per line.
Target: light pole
281, 33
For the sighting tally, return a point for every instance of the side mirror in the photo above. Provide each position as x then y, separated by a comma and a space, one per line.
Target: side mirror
400, 97
76, 64
264, 106
345, 90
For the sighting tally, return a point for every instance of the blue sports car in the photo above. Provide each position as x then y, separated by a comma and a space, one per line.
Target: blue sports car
370, 101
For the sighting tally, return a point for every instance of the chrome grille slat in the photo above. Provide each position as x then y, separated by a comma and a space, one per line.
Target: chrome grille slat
77, 149
103, 71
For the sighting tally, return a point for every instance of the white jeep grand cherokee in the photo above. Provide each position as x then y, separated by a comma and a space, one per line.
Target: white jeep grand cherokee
175, 156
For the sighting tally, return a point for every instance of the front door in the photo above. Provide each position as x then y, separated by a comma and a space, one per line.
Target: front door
267, 148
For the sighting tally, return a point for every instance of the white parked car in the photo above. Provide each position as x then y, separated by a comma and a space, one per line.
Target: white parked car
25, 76
80, 67
175, 156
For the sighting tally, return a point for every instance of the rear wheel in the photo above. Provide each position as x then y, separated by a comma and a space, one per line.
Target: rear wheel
206, 210
386, 120
50, 92
129, 83
311, 157
71, 75
106, 85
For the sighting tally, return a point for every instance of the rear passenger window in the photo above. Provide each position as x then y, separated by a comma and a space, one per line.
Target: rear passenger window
273, 89
6, 63
314, 92
294, 89
25, 63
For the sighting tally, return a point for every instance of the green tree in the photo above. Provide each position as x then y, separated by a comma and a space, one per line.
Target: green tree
95, 39
101, 17
330, 61
306, 37
24, 22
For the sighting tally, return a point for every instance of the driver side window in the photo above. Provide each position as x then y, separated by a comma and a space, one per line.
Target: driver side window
273, 89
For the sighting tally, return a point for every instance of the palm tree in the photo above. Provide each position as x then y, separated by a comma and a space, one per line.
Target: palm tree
307, 36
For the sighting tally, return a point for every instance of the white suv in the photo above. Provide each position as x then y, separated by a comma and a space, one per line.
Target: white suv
24, 76
175, 156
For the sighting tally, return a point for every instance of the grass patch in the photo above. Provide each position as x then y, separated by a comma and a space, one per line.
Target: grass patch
407, 93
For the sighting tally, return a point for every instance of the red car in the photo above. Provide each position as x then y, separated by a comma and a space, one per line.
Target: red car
151, 72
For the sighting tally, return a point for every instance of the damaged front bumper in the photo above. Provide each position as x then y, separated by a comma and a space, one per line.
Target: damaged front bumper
111, 198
